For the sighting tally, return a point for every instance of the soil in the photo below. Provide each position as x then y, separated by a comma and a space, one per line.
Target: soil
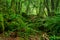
31, 37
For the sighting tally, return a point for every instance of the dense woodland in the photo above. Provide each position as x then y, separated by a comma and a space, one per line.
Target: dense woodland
30, 19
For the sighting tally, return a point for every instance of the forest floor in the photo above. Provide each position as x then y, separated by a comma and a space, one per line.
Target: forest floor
18, 38
31, 37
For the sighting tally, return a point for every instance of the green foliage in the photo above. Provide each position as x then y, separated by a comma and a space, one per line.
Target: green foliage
28, 17
53, 24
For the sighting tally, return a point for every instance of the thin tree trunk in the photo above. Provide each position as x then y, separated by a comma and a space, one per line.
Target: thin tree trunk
27, 9
52, 8
46, 5
57, 4
18, 7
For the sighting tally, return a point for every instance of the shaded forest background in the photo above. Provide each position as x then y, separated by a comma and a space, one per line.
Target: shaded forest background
30, 17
